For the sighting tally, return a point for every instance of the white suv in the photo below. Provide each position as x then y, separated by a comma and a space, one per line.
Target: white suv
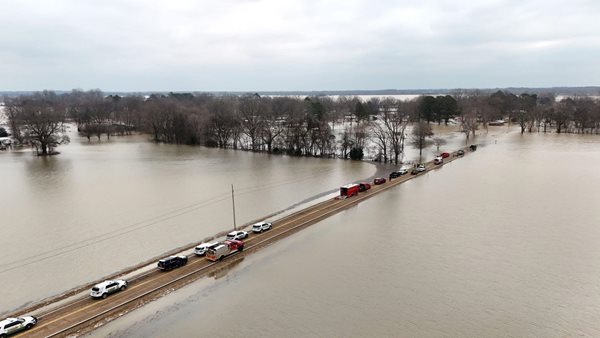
261, 226
13, 325
200, 250
237, 235
102, 290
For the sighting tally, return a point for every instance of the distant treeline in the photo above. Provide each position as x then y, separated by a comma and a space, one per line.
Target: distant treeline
559, 91
309, 126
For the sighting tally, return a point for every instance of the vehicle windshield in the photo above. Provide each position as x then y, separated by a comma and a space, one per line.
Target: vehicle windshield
95, 289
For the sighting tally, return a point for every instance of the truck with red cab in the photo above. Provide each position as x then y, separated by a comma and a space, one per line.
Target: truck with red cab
225, 248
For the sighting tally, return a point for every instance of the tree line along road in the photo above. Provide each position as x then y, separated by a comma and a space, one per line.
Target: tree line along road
81, 314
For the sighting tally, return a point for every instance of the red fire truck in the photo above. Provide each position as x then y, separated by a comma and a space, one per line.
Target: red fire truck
348, 190
225, 248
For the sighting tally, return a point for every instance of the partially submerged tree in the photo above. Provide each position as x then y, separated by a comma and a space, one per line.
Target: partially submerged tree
420, 134
41, 121
438, 142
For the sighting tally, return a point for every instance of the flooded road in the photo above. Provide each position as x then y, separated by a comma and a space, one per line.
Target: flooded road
503, 243
100, 207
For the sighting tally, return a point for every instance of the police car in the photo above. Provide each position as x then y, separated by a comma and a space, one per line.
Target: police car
261, 226
11, 326
102, 290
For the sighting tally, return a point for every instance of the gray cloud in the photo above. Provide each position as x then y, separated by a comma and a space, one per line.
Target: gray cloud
297, 45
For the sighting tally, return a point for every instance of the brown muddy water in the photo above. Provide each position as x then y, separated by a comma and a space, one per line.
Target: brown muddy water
97, 208
503, 243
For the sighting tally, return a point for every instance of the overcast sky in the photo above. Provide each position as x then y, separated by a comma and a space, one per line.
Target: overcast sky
239, 45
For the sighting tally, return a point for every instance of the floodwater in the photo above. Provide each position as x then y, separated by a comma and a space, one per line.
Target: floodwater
502, 243
100, 207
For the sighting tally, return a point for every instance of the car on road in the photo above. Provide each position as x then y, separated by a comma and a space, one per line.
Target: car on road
200, 250
438, 160
460, 152
261, 226
237, 235
172, 262
11, 326
444, 155
398, 173
418, 169
379, 180
363, 186
102, 290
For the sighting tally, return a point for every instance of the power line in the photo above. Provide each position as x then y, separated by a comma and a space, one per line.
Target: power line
132, 227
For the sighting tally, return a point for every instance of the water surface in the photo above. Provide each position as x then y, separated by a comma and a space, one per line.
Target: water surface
99, 207
503, 243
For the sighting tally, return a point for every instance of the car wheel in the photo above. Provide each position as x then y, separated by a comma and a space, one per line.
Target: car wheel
241, 248
104, 295
2, 335
123, 287
28, 326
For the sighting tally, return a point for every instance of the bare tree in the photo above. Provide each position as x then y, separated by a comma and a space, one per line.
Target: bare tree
438, 142
251, 108
12, 109
222, 122
563, 113
274, 118
41, 120
420, 134
380, 136
346, 143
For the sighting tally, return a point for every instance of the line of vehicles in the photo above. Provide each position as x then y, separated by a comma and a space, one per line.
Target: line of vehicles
353, 189
213, 251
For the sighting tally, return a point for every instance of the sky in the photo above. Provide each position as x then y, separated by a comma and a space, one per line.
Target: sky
290, 45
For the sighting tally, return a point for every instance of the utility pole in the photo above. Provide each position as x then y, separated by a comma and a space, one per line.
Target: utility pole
233, 203
420, 136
